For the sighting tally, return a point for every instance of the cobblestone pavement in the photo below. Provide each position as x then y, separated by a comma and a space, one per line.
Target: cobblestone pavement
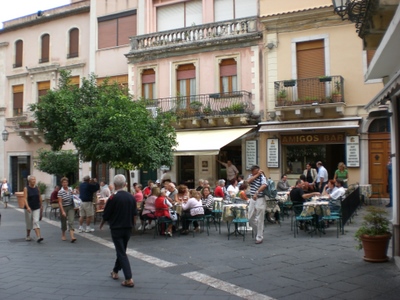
183, 267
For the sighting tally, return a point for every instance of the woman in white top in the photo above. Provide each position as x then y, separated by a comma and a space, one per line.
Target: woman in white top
192, 208
233, 189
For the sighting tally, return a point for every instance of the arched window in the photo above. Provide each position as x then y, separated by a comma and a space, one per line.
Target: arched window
19, 47
45, 54
73, 43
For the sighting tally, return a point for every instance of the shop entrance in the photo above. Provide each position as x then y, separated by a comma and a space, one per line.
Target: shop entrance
20, 169
186, 174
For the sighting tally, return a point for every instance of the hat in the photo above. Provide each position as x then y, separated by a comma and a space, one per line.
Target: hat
254, 167
158, 181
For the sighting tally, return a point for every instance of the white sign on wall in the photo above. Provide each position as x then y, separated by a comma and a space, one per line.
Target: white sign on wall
353, 151
251, 154
273, 153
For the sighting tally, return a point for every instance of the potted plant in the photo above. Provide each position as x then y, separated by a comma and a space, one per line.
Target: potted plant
237, 108
42, 189
281, 98
195, 105
287, 83
373, 236
337, 93
207, 110
325, 78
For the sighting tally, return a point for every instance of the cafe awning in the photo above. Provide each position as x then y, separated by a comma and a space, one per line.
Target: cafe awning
331, 124
206, 142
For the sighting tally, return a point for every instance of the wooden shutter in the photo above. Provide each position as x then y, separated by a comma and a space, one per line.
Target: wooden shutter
310, 64
18, 96
126, 29
370, 55
19, 45
43, 87
45, 48
73, 43
74, 80
228, 67
107, 34
148, 76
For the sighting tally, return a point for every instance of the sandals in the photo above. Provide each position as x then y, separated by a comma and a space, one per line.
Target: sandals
73, 240
114, 275
128, 283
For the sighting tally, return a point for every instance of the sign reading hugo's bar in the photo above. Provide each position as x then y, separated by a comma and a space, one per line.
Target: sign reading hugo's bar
272, 153
315, 138
352, 151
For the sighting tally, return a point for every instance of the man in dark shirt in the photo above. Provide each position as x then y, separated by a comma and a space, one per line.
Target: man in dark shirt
86, 190
297, 195
119, 213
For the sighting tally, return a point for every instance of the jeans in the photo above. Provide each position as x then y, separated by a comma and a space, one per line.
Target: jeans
120, 239
256, 217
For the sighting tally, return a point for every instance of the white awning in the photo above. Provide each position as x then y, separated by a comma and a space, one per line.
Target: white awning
206, 142
301, 126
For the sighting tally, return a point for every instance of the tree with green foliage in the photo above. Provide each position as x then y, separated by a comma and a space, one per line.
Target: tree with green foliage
60, 163
105, 124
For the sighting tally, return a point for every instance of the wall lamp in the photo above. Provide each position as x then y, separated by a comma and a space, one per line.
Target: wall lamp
5, 133
353, 10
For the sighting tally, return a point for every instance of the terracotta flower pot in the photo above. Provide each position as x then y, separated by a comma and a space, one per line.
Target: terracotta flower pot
20, 199
375, 247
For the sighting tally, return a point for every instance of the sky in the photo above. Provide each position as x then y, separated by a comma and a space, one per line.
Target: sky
11, 9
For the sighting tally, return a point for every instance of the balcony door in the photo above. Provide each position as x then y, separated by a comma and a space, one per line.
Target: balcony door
186, 84
310, 58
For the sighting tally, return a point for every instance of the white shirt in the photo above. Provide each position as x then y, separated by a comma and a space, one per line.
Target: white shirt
322, 173
233, 190
337, 193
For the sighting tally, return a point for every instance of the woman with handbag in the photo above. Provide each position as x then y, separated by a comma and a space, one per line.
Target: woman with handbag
67, 209
33, 208
5, 192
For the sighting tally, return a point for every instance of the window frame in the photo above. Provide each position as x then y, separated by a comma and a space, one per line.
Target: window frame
73, 45
45, 48
19, 53
18, 90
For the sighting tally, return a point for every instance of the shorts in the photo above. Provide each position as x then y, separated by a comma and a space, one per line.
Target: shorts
86, 209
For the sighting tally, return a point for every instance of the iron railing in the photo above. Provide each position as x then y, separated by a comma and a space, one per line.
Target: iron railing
309, 91
204, 104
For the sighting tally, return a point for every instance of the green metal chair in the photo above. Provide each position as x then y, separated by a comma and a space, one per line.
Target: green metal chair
297, 218
240, 221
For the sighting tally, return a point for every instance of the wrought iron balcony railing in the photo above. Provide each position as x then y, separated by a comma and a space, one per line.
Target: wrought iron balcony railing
218, 104
193, 34
311, 91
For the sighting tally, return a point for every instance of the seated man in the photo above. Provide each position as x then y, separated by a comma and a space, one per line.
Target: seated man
283, 184
337, 194
54, 195
297, 195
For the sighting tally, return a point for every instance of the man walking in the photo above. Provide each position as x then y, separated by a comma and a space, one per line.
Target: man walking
322, 177
86, 190
258, 183
119, 212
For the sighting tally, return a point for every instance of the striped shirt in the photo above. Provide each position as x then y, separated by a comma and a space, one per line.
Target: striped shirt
255, 185
66, 196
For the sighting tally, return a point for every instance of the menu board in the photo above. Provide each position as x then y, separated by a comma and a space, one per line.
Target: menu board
353, 151
273, 153
251, 154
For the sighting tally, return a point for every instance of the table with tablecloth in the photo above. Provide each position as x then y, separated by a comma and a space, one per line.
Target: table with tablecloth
365, 191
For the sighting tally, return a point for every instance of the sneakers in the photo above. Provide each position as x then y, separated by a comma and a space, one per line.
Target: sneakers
28, 239
140, 227
148, 226
259, 242
88, 229
80, 229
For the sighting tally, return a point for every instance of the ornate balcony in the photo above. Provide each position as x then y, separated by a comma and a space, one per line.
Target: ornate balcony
195, 38
209, 107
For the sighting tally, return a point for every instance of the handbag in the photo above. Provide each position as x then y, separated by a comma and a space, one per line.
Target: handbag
6, 193
173, 215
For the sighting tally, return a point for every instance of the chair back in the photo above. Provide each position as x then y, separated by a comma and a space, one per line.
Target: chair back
297, 209
217, 205
239, 213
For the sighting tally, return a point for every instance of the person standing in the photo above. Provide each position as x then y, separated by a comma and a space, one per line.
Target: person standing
119, 212
342, 173
86, 189
67, 210
389, 168
310, 173
5, 192
231, 170
322, 177
258, 183
33, 205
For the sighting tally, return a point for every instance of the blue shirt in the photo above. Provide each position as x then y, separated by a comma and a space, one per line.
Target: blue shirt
86, 191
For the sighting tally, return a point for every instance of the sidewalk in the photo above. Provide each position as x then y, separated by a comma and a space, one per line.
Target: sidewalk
183, 267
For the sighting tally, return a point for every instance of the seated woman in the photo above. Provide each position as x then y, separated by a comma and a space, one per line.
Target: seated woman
192, 208
207, 200
162, 206
233, 188
149, 209
243, 191
182, 195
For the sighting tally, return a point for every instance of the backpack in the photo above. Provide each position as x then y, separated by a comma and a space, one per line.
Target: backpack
270, 191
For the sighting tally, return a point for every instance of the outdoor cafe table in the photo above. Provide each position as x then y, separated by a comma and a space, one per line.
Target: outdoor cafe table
227, 215
316, 209
365, 191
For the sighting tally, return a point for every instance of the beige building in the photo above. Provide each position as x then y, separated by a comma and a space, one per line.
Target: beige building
315, 94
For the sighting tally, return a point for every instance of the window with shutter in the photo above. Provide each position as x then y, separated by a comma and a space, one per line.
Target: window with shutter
186, 83
74, 80
115, 30
180, 15
43, 87
45, 53
234, 9
19, 45
310, 58
121, 80
18, 96
148, 84
73, 43
228, 75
